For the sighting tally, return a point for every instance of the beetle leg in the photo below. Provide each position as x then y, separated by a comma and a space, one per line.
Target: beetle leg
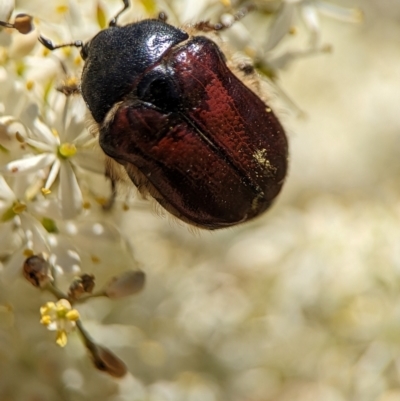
246, 68
114, 21
207, 26
162, 16
111, 200
69, 88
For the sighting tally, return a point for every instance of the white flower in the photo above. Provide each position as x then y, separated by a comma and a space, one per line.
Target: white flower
17, 111
128, 283
61, 148
285, 21
20, 232
59, 317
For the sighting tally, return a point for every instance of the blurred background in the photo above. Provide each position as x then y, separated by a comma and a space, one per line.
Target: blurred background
302, 304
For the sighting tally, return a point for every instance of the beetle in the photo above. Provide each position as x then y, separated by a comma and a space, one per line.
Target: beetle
181, 121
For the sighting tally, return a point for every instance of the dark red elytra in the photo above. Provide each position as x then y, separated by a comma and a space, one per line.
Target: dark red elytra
186, 129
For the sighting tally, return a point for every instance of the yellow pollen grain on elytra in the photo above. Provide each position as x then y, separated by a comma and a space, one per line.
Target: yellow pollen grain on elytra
46, 191
67, 150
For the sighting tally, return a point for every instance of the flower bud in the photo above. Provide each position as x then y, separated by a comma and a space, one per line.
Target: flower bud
106, 361
36, 270
83, 284
128, 283
23, 23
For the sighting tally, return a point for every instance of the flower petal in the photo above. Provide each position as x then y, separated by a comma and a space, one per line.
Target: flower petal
345, 14
44, 147
28, 165
65, 257
35, 233
73, 129
6, 8
91, 160
42, 133
5, 191
55, 168
29, 114
13, 267
69, 192
311, 19
281, 25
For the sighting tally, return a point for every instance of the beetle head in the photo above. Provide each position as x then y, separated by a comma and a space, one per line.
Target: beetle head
118, 56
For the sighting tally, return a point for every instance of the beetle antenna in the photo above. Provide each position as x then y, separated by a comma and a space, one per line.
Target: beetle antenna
51, 46
114, 21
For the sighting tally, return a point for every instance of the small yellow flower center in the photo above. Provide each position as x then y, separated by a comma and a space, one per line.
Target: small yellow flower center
62, 9
29, 85
61, 317
19, 207
61, 310
67, 150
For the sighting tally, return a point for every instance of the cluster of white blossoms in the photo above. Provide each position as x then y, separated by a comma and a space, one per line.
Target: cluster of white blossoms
53, 188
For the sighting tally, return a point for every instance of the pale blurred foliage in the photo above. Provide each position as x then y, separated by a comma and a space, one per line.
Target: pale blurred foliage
302, 304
